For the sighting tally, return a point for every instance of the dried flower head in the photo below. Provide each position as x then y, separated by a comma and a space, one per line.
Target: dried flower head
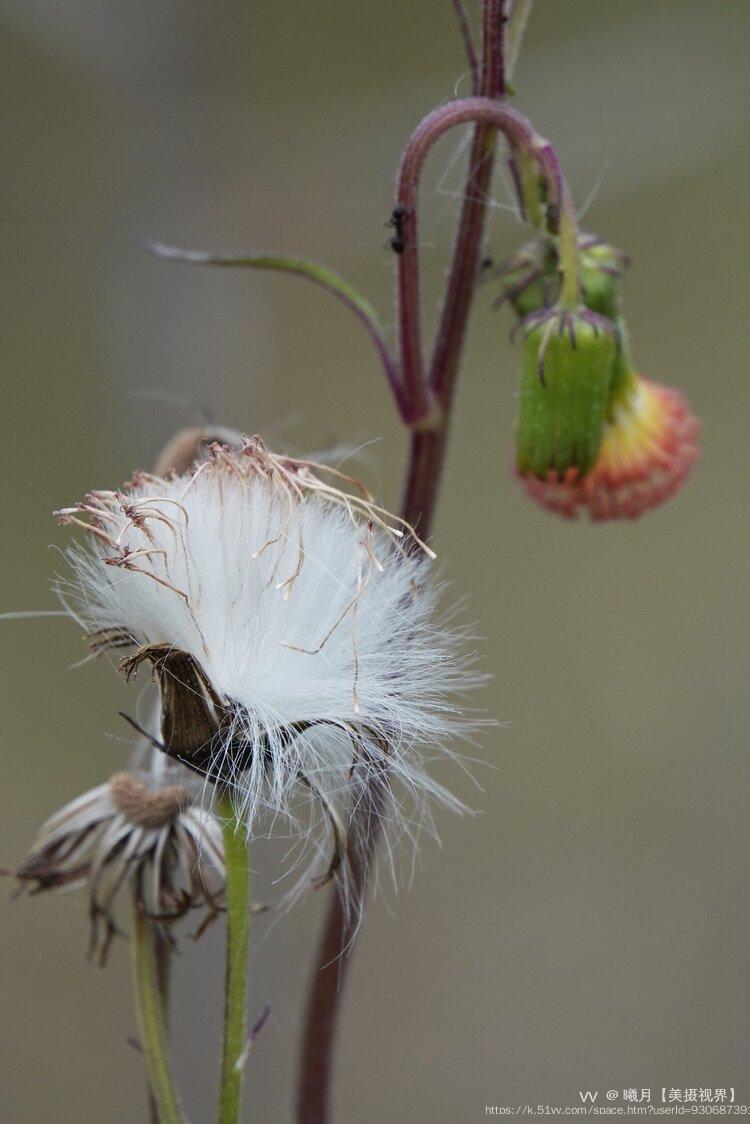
649, 445
132, 834
290, 630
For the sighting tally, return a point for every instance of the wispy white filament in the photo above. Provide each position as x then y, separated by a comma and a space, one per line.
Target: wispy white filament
301, 608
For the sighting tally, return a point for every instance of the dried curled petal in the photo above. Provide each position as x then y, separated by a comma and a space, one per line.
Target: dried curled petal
649, 447
134, 836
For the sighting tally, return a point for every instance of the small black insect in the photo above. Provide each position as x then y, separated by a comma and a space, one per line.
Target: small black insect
398, 222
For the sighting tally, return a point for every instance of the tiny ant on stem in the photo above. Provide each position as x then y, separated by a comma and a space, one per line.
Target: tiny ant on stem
398, 222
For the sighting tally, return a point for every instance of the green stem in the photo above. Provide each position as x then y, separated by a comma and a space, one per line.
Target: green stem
567, 248
162, 954
234, 1039
151, 1021
530, 189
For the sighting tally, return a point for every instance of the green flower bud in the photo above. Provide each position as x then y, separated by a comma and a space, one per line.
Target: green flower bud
564, 395
531, 278
600, 268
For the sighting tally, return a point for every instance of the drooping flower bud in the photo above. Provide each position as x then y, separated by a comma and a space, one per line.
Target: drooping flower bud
648, 439
565, 381
649, 445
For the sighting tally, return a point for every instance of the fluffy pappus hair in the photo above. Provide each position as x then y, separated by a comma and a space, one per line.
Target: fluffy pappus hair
292, 628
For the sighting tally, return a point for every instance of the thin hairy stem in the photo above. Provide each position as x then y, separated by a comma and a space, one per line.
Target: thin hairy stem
163, 969
340, 926
493, 49
431, 401
427, 452
492, 116
424, 473
151, 1021
465, 261
234, 1035
332, 964
567, 248
459, 291
471, 54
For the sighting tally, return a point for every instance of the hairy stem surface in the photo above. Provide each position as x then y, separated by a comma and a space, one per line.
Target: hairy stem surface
429, 402
151, 1021
432, 401
234, 1036
162, 964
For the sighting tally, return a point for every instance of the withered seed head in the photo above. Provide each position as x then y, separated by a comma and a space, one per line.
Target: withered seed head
291, 627
147, 807
132, 837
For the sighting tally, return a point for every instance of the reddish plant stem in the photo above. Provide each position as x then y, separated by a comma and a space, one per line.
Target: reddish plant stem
489, 116
331, 967
426, 456
471, 54
465, 264
493, 53
334, 954
340, 926
490, 84
431, 402
461, 282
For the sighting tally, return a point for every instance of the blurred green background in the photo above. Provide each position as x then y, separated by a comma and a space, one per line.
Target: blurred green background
590, 928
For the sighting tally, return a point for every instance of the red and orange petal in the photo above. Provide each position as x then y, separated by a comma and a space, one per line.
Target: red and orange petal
647, 452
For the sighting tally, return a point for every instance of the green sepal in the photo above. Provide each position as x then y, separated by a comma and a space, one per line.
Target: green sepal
623, 372
563, 398
539, 294
599, 285
524, 298
600, 267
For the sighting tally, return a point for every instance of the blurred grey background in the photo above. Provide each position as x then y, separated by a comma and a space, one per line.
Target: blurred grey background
590, 928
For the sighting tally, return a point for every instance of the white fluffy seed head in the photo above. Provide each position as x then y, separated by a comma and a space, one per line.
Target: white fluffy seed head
312, 631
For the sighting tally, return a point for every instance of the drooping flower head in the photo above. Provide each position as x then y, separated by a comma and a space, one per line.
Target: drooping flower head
650, 443
137, 834
290, 626
614, 457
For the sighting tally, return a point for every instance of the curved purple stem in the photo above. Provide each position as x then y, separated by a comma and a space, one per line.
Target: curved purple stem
520, 134
429, 403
